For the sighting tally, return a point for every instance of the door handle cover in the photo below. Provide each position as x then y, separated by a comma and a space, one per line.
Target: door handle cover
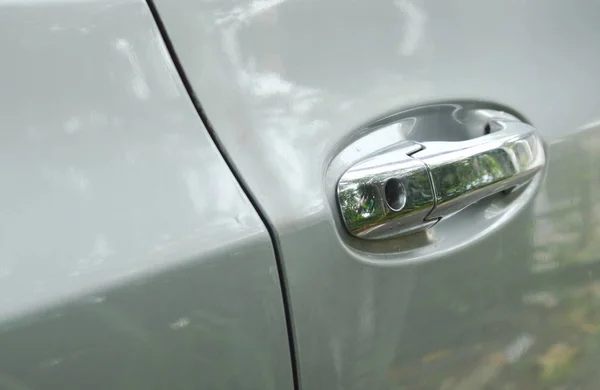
410, 186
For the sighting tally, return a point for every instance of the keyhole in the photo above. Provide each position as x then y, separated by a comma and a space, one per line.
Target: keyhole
395, 195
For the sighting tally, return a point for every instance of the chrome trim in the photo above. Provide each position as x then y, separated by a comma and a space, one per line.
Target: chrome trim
368, 211
468, 171
411, 186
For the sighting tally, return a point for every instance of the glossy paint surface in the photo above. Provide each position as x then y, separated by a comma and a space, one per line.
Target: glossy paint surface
505, 300
129, 256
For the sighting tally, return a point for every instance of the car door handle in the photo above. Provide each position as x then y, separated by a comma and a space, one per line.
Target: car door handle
410, 186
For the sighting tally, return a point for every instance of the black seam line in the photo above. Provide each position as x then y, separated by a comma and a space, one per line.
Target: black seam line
265, 220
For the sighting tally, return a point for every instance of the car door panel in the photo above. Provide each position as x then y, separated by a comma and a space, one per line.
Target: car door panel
287, 85
130, 258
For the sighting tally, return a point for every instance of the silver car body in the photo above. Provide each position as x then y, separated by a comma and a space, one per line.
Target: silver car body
129, 256
138, 251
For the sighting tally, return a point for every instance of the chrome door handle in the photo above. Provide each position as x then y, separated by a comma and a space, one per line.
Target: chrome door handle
411, 186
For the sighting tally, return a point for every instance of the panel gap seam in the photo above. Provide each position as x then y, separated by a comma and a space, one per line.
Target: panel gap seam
244, 186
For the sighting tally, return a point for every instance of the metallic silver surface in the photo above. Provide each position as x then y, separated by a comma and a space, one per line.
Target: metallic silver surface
410, 186
129, 256
288, 84
387, 194
467, 171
